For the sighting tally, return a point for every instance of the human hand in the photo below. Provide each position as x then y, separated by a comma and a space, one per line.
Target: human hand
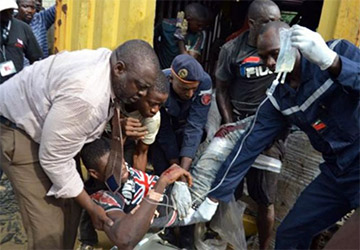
181, 26
181, 199
99, 217
312, 46
174, 173
132, 127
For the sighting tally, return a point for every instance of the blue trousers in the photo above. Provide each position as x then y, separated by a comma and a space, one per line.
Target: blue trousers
323, 202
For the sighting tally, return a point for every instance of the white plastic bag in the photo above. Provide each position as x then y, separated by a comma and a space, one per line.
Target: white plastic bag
228, 223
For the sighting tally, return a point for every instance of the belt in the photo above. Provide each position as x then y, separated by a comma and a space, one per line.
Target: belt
7, 122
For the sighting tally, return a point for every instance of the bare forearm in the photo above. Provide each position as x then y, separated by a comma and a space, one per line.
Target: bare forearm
182, 48
223, 102
335, 67
186, 163
131, 228
140, 161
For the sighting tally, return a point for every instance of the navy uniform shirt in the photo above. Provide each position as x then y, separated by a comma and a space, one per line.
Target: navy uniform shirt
327, 109
189, 116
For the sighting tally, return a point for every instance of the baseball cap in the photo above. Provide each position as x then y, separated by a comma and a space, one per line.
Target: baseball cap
8, 4
187, 69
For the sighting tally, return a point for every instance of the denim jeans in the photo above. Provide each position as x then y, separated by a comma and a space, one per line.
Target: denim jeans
206, 168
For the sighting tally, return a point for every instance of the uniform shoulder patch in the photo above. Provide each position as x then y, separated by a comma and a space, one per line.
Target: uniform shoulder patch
206, 99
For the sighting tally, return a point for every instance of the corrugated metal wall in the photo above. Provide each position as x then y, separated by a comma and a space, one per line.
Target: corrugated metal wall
341, 19
92, 24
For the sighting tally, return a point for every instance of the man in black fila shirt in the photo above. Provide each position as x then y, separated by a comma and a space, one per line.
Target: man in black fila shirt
241, 83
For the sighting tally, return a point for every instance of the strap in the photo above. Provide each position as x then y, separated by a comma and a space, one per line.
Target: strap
114, 165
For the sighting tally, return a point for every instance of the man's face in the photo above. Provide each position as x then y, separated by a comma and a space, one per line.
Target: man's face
269, 14
6, 15
38, 5
149, 105
184, 90
102, 162
132, 84
26, 10
268, 46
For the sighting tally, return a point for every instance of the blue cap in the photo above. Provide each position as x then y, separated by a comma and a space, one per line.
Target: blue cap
187, 69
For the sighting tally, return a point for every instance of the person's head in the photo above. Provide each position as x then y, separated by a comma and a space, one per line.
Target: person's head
6, 10
186, 74
197, 16
95, 156
38, 5
134, 66
156, 96
268, 44
26, 10
261, 12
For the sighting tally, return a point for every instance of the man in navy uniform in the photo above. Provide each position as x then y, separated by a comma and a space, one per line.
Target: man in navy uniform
321, 97
183, 120
184, 114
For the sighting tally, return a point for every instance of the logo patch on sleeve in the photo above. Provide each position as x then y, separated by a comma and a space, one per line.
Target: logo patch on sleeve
318, 125
206, 99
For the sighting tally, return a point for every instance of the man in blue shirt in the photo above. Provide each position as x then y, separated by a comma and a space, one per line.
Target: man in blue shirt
183, 120
39, 22
321, 97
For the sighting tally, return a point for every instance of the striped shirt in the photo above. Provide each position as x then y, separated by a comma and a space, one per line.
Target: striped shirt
41, 22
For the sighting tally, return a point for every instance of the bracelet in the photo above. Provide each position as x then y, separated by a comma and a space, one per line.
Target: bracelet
157, 197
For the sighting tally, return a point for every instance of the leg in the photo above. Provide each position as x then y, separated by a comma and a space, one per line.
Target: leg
49, 223
320, 205
262, 189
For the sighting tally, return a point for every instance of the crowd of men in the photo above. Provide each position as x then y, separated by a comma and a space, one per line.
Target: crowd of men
136, 110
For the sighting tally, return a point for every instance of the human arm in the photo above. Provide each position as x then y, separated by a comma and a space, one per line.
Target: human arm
196, 120
140, 156
342, 62
223, 78
268, 124
65, 131
48, 16
223, 101
129, 229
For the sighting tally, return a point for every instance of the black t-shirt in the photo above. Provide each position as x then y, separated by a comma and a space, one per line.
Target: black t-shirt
21, 42
240, 66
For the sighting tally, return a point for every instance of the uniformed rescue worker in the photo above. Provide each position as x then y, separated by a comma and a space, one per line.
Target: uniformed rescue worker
183, 120
321, 97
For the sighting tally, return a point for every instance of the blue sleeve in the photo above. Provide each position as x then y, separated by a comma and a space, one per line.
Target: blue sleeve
350, 65
166, 137
48, 16
196, 120
268, 124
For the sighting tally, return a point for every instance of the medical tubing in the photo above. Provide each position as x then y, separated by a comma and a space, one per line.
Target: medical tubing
275, 83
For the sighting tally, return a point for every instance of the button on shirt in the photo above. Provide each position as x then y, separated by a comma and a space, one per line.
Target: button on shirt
327, 109
62, 103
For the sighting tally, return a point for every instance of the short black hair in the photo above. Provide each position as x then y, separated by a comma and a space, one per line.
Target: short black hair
93, 151
257, 7
161, 84
136, 52
197, 11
